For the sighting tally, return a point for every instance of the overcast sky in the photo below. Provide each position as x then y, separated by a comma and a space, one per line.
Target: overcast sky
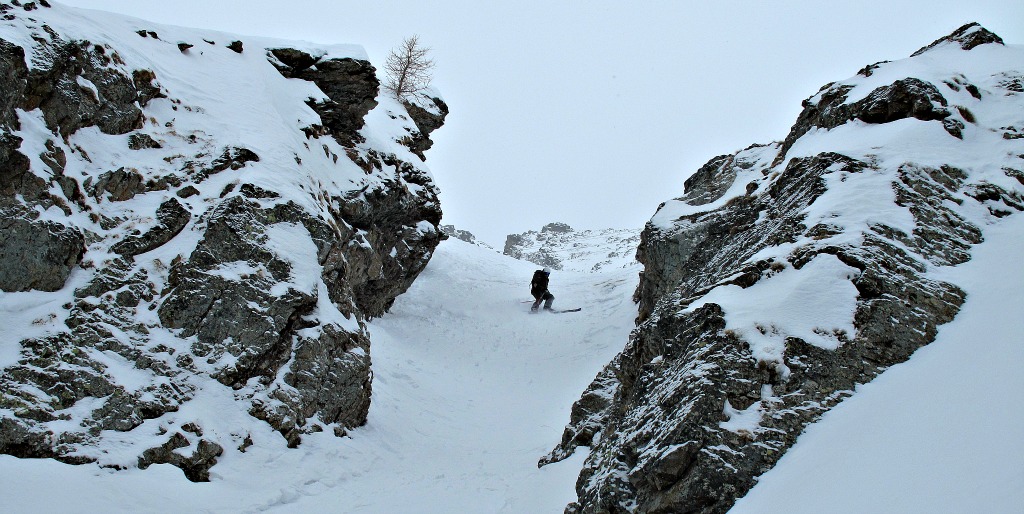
593, 112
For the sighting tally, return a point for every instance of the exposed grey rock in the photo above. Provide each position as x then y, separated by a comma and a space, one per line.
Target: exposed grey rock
14, 166
659, 406
196, 466
558, 246
351, 87
187, 191
906, 98
142, 141
13, 80
711, 181
121, 184
147, 87
462, 235
15, 177
428, 117
233, 158
241, 318
78, 84
36, 254
332, 377
556, 228
172, 217
967, 37
662, 447
229, 301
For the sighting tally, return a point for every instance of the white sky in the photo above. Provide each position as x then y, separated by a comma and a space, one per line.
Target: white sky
592, 113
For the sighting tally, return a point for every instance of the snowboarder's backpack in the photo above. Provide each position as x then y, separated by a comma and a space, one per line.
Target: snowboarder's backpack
539, 284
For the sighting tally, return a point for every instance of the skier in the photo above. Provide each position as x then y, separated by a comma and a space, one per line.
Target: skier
539, 289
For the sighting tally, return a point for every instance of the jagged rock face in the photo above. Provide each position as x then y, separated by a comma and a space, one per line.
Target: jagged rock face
351, 87
734, 353
78, 84
165, 258
461, 235
558, 246
428, 113
966, 37
905, 98
450, 231
36, 254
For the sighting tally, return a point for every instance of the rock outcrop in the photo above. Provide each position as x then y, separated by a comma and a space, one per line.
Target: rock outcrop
789, 273
428, 113
559, 246
36, 254
162, 255
351, 87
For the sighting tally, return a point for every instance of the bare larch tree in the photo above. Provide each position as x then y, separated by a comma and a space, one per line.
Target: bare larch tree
408, 68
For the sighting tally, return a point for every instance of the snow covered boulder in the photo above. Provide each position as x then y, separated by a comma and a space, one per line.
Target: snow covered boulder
190, 255
790, 273
36, 254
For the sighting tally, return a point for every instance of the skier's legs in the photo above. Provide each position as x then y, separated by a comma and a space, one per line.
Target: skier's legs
536, 303
548, 297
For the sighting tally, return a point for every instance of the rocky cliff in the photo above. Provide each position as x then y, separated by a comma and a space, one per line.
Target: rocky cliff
190, 215
789, 273
464, 235
560, 247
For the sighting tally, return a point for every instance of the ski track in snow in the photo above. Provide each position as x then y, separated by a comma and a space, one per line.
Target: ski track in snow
469, 391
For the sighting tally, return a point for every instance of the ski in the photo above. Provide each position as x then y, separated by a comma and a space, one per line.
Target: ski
557, 311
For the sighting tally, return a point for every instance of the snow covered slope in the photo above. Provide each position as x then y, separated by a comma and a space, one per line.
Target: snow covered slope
470, 389
194, 228
936, 433
559, 246
791, 272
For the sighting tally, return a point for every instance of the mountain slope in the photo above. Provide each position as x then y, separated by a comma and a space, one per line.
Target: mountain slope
933, 434
559, 247
789, 273
188, 216
469, 389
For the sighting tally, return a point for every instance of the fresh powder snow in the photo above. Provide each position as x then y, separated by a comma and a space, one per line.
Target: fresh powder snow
470, 390
941, 432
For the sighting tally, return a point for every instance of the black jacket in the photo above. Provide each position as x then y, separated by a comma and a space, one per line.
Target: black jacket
539, 284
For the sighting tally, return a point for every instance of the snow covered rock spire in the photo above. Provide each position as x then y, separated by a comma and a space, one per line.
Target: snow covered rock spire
789, 273
967, 37
194, 234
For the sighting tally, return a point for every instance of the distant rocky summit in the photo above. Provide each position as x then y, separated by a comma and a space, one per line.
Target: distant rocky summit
560, 247
463, 235
788, 273
181, 219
